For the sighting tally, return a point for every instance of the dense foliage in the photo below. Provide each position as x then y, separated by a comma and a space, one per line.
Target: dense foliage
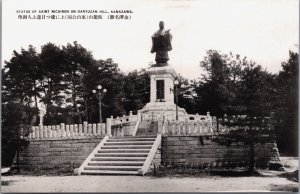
236, 86
62, 78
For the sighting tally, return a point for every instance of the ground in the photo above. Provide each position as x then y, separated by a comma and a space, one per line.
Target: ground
141, 184
271, 181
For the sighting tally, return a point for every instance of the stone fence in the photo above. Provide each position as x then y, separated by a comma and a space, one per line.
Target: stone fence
192, 125
161, 116
67, 131
131, 117
125, 125
85, 129
188, 128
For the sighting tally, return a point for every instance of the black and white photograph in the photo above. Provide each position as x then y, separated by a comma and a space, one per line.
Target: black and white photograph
109, 96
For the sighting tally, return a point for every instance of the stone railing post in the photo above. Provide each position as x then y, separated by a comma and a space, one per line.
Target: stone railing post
71, 130
94, 128
182, 128
41, 115
108, 126
214, 124
209, 119
30, 134
139, 116
45, 131
41, 131
103, 126
188, 128
98, 127
75, 130
49, 131
68, 130
208, 114
80, 132
37, 132
54, 132
173, 127
85, 130
58, 131
89, 126
202, 127
63, 130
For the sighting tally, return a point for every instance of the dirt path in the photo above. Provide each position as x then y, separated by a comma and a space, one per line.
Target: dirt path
139, 184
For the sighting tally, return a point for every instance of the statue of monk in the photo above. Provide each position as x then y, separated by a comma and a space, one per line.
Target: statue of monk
161, 44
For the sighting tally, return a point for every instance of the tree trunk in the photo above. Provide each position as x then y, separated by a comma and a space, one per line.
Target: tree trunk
217, 124
36, 106
251, 159
18, 151
86, 110
35, 100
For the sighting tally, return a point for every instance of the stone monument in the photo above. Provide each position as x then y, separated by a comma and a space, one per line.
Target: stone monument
162, 75
161, 44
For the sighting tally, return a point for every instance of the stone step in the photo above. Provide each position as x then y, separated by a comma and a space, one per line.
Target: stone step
126, 146
118, 168
124, 150
120, 156
130, 143
129, 155
102, 158
115, 163
108, 172
131, 139
144, 126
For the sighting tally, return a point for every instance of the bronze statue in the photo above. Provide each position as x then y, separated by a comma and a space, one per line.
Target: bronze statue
161, 44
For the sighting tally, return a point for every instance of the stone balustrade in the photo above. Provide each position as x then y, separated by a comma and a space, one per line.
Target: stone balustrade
67, 131
124, 119
188, 117
191, 127
125, 125
121, 126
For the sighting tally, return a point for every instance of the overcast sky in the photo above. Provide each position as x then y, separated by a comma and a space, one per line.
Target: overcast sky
262, 30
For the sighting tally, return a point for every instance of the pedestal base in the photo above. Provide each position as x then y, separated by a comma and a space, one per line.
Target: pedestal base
161, 105
162, 110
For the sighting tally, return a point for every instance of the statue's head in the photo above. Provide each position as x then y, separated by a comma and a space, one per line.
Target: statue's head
161, 25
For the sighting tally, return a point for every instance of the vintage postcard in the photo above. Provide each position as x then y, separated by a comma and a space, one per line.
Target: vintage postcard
149, 96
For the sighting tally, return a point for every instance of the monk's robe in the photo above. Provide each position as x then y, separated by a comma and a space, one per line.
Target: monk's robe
161, 44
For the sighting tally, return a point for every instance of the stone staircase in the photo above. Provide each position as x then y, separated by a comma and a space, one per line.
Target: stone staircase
147, 128
130, 155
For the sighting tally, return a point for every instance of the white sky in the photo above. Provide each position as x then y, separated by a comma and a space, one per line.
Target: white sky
262, 30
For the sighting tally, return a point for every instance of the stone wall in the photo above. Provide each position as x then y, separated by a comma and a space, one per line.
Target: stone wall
157, 158
56, 153
201, 151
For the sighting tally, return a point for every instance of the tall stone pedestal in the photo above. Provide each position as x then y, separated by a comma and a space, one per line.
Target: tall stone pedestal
161, 105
